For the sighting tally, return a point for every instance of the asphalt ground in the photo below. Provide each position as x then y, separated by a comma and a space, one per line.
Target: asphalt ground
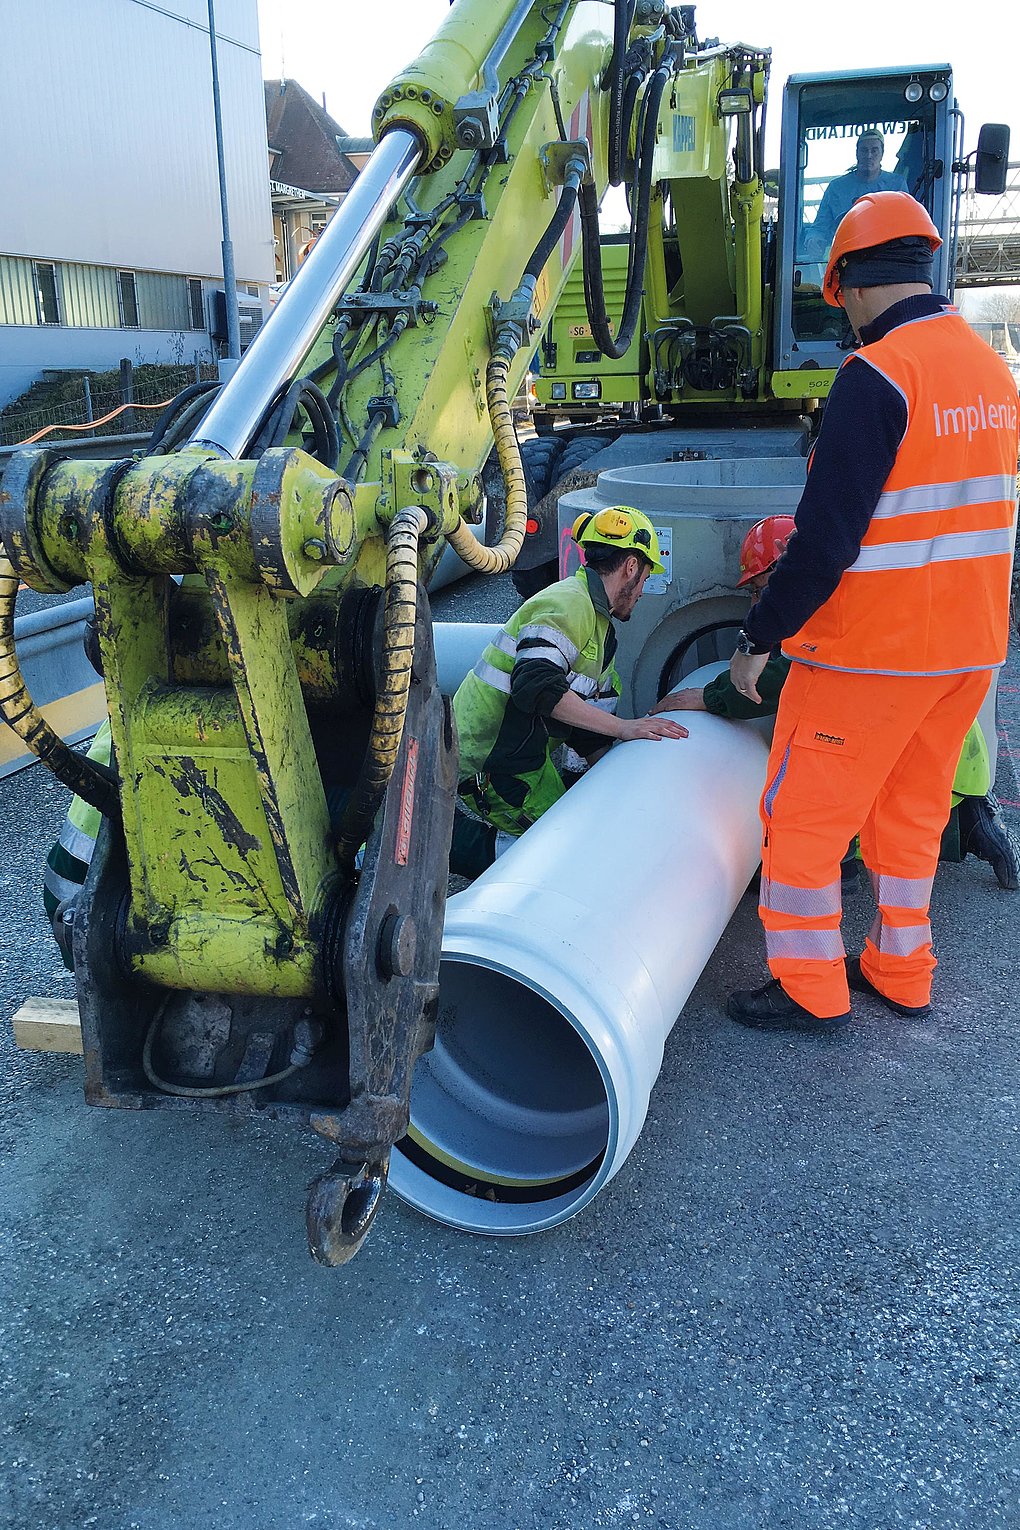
796, 1306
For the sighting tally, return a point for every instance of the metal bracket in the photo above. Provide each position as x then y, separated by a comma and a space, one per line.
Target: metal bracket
402, 300
556, 158
476, 117
420, 479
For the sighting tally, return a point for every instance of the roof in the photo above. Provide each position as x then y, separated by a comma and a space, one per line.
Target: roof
303, 138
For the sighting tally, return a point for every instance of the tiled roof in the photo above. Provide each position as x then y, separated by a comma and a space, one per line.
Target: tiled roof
303, 139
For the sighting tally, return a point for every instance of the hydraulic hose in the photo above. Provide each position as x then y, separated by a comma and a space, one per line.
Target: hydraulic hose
623, 20
594, 292
503, 555
395, 682
89, 779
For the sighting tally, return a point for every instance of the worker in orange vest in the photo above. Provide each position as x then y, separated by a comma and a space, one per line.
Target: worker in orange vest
975, 826
892, 602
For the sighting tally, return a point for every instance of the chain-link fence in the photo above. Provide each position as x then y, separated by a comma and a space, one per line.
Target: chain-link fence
99, 407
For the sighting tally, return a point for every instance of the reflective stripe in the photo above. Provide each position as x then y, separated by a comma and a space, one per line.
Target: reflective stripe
584, 686
808, 902
542, 651
542, 633
901, 892
497, 678
899, 940
60, 887
76, 842
929, 497
505, 643
605, 703
805, 945
770, 795
950, 548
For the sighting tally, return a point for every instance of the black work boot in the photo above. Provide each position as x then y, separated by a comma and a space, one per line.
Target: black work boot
983, 833
770, 1008
861, 984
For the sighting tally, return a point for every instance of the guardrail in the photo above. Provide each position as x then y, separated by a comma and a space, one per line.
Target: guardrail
87, 446
60, 679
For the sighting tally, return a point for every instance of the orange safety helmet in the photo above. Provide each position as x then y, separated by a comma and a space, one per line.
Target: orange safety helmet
876, 218
764, 545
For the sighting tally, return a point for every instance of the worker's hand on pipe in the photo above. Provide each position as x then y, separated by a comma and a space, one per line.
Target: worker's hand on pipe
649, 727
744, 671
690, 700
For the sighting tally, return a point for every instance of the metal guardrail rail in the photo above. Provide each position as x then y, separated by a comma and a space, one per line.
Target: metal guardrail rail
60, 679
87, 446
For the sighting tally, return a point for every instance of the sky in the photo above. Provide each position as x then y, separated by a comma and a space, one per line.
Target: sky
350, 50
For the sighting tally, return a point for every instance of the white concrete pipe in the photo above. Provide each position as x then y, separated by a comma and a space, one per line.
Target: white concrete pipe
564, 969
458, 648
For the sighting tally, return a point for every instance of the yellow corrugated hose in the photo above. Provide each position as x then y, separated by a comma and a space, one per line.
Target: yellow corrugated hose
395, 682
94, 782
503, 555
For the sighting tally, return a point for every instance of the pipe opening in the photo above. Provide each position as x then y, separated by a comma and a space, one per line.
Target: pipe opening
509, 1112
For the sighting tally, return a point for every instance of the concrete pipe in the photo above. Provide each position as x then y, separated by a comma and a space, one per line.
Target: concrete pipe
458, 648
564, 968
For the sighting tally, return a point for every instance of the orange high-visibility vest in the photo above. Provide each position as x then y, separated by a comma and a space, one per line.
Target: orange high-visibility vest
929, 592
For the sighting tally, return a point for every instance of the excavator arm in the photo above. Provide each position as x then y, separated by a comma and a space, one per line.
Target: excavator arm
260, 929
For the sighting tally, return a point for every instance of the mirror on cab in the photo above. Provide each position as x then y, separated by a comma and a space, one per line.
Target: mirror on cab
991, 159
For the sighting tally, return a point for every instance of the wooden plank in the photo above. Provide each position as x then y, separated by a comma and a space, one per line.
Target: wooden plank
48, 1025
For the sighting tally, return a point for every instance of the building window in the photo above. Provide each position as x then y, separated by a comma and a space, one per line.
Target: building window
128, 299
46, 292
196, 306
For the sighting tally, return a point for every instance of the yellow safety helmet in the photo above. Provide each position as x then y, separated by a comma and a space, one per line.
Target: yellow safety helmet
620, 527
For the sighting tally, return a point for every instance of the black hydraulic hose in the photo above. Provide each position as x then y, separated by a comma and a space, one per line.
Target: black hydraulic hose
594, 290
180, 429
175, 410
356, 463
558, 222
630, 96
279, 422
623, 20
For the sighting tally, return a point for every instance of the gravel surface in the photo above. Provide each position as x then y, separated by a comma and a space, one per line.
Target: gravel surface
796, 1306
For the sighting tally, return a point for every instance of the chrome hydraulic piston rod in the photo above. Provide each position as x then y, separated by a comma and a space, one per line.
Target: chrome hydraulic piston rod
272, 361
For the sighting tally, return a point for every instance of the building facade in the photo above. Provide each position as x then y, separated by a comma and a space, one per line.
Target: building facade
110, 231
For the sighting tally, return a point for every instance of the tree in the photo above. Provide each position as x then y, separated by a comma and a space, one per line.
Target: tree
1001, 306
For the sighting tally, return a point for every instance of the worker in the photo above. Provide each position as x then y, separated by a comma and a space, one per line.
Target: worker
975, 825
547, 679
842, 192
892, 601
67, 864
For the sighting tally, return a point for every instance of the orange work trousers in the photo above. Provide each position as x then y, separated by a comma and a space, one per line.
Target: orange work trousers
868, 754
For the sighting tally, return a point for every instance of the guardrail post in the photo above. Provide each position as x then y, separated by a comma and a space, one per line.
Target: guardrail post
127, 391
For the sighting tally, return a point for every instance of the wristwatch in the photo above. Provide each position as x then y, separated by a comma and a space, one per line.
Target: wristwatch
746, 645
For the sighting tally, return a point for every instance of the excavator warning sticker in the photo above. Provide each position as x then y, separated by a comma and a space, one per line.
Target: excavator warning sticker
407, 805
658, 584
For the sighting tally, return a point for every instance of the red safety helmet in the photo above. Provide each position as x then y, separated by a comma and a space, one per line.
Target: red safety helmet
764, 545
876, 218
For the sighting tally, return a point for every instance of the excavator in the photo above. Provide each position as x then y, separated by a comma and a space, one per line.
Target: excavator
261, 925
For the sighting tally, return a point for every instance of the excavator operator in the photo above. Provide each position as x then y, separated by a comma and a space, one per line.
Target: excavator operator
548, 680
892, 601
975, 824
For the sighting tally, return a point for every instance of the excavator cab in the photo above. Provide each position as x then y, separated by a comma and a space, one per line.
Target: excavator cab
845, 135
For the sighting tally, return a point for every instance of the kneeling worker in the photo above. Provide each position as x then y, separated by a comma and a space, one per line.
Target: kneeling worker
548, 679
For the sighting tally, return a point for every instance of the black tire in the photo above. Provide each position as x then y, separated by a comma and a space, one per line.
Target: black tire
577, 452
538, 564
540, 456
